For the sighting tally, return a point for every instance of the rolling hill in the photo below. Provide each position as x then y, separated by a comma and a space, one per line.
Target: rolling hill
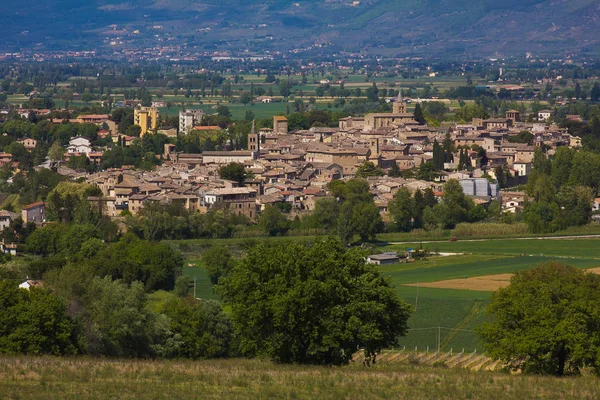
393, 27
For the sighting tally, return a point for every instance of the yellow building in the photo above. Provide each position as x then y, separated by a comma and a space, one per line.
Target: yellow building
146, 118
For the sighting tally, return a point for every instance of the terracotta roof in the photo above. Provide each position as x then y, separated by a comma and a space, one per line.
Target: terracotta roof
34, 205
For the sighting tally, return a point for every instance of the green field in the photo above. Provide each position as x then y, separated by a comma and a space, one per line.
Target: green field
561, 248
457, 312
463, 310
86, 378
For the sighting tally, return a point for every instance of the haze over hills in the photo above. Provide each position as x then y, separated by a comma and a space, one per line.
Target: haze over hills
478, 28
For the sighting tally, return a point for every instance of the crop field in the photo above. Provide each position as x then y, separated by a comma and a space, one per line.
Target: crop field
494, 266
486, 283
440, 302
456, 310
545, 247
76, 378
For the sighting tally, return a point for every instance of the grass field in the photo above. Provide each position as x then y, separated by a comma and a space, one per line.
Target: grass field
457, 312
77, 378
463, 310
548, 247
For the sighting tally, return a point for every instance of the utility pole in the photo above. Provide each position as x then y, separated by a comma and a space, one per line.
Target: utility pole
417, 298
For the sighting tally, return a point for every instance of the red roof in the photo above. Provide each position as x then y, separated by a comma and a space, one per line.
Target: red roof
34, 205
206, 128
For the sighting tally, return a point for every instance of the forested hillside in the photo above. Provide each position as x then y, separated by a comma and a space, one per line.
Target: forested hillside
405, 27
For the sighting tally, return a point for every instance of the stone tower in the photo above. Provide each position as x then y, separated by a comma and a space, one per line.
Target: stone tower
399, 106
254, 140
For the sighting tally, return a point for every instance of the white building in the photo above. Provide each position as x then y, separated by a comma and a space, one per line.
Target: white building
522, 168
545, 115
188, 119
80, 144
30, 283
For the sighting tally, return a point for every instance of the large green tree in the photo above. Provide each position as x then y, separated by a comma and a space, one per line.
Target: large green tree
546, 321
233, 172
202, 327
358, 213
272, 221
312, 305
34, 322
218, 261
402, 208
368, 169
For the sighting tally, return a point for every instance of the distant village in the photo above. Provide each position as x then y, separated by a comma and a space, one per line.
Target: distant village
295, 166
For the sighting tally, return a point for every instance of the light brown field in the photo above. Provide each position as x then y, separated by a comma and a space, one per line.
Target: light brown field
486, 283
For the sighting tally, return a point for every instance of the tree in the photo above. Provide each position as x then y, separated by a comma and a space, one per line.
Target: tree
272, 221
133, 130
372, 93
521, 137
312, 305
402, 209
223, 111
21, 155
546, 321
453, 209
182, 286
34, 321
325, 214
202, 327
561, 165
501, 176
395, 171
418, 113
285, 88
595, 93
578, 91
245, 97
368, 169
297, 121
438, 156
155, 264
233, 172
585, 170
218, 262
146, 99
120, 323
358, 213
56, 152
435, 109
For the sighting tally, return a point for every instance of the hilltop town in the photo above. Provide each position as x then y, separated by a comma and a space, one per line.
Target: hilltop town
294, 167
232, 198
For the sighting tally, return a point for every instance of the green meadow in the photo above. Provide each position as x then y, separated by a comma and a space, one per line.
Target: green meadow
456, 312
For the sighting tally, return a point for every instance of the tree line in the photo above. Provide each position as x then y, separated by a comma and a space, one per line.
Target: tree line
290, 302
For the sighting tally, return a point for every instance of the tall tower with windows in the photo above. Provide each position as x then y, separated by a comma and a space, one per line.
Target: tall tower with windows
399, 106
254, 140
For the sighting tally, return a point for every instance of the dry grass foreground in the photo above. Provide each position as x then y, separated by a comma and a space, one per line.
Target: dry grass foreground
85, 378
486, 283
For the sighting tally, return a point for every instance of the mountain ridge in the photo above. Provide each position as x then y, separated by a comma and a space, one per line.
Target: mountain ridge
393, 27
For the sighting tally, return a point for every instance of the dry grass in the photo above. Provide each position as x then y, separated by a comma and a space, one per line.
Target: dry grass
77, 378
488, 283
